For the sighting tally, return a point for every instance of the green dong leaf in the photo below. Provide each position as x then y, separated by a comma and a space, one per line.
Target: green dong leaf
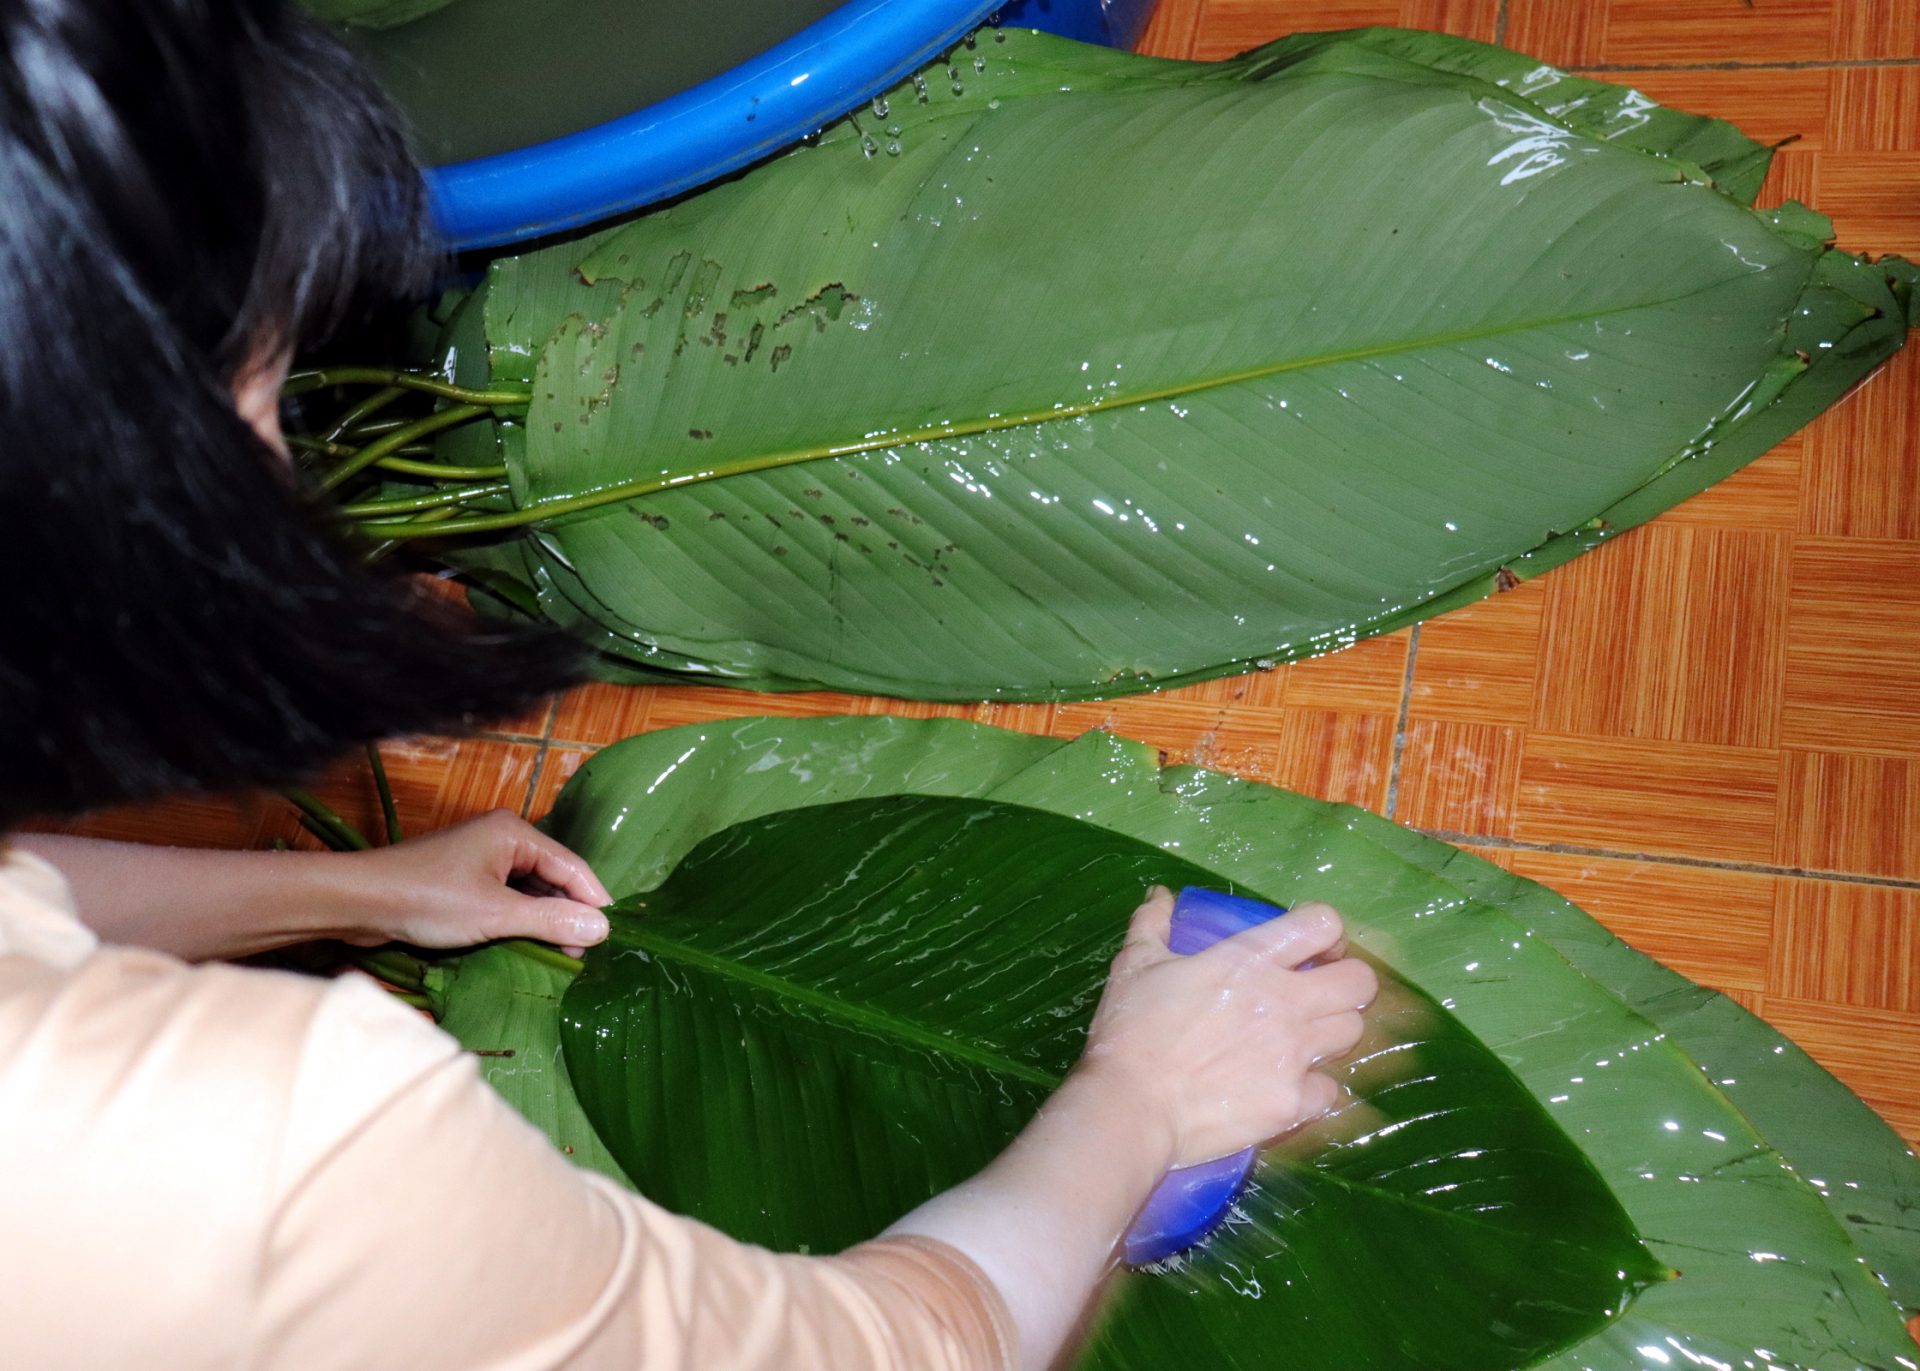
1062, 373
1709, 1127
828, 1015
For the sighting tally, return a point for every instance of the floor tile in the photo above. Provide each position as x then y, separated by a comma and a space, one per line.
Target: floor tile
1459, 778
217, 821
1686, 799
1873, 199
1184, 733
1367, 676
417, 770
1463, 18
1861, 474
1768, 106
1036, 718
1713, 926
1233, 26
1794, 174
1255, 690
1477, 664
1847, 944
1335, 756
1661, 31
1566, 35
555, 771
1850, 813
1852, 678
1764, 495
1671, 632
484, 775
1876, 29
1871, 1050
1876, 109
1172, 29
600, 714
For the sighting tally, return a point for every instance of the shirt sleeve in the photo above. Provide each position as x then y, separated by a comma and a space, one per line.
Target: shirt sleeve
446, 1232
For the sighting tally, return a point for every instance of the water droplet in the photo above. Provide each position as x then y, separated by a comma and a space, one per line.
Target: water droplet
953, 73
867, 145
992, 104
893, 149
880, 107
920, 85
980, 64
959, 89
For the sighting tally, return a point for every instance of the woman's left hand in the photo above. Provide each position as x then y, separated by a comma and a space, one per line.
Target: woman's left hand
457, 887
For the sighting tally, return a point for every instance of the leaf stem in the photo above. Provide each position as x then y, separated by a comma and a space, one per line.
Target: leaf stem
387, 807
340, 835
375, 402
393, 966
301, 382
993, 423
319, 446
374, 509
399, 438
439, 472
546, 956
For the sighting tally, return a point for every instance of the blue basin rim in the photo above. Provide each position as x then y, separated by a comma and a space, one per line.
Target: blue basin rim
721, 125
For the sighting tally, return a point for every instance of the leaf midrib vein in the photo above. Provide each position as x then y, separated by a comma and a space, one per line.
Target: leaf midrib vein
876, 1021
629, 490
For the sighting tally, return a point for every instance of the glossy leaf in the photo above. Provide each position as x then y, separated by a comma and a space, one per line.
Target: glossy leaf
828, 1015
1547, 988
505, 1005
1099, 372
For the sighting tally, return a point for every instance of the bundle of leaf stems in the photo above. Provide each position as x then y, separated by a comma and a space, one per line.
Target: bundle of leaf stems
399, 970
365, 446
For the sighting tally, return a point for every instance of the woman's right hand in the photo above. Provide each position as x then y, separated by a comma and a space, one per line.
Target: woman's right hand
1218, 1049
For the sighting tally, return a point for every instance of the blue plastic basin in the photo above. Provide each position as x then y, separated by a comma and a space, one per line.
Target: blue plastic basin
738, 117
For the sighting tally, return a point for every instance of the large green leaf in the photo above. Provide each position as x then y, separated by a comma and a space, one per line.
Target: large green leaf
504, 1003
828, 1015
1103, 373
1505, 955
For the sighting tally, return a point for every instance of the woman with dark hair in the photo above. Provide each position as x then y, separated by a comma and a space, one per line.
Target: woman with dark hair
215, 1167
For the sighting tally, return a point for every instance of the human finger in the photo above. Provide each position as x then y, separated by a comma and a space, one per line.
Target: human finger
545, 860
1148, 929
1336, 987
1319, 1095
1332, 1036
1305, 932
552, 919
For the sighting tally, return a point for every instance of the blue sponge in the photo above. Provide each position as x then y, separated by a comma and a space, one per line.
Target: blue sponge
1190, 1202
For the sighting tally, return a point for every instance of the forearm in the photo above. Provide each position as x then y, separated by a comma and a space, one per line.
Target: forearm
201, 905
1045, 1219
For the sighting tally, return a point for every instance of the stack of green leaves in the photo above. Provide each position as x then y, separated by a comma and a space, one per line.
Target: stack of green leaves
851, 955
1061, 372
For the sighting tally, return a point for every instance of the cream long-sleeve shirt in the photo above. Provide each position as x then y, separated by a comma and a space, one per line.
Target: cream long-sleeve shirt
210, 1167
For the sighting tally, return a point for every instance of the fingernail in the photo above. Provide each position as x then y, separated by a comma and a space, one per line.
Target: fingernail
585, 929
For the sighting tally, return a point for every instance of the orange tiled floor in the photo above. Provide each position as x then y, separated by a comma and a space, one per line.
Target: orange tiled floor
1707, 733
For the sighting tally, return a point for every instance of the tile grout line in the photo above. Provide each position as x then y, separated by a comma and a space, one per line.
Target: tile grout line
1666, 859
1400, 723
540, 757
1831, 64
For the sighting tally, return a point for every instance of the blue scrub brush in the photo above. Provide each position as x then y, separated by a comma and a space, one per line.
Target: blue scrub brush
1190, 1202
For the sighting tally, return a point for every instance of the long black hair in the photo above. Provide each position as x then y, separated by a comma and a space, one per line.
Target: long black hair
184, 183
